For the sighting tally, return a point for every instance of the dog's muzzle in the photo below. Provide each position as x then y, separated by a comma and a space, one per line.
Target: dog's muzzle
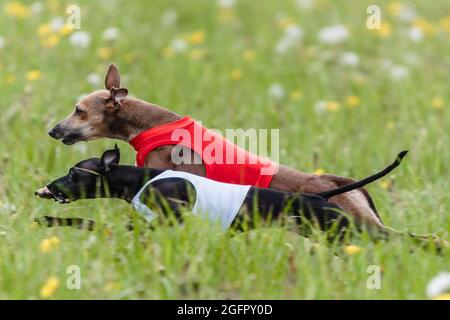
45, 193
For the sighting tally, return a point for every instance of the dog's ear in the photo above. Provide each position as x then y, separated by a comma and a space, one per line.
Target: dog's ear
110, 157
112, 79
117, 95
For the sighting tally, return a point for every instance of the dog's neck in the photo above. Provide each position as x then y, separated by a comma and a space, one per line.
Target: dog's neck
137, 116
124, 182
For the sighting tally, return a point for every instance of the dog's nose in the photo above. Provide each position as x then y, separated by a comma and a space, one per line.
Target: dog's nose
53, 133
44, 193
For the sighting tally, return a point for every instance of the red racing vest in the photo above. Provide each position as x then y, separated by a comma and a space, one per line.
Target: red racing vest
223, 160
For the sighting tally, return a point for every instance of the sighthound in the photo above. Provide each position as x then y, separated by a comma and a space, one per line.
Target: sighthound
112, 114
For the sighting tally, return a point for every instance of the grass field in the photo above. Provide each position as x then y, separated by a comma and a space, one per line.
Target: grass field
345, 99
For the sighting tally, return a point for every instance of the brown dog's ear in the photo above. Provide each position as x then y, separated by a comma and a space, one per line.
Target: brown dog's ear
117, 95
112, 79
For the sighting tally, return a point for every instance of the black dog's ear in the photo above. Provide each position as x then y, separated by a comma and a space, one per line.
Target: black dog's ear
110, 157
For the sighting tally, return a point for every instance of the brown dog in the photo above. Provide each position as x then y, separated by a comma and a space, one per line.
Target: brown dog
111, 114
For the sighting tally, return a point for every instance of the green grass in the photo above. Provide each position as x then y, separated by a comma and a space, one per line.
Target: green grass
196, 260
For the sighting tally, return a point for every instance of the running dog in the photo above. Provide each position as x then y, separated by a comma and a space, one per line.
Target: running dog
150, 130
156, 193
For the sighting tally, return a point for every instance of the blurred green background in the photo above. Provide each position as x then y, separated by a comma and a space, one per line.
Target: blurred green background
345, 98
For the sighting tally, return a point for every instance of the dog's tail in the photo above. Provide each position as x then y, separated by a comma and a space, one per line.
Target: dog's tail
361, 183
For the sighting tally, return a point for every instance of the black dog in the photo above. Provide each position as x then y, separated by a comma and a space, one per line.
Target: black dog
105, 178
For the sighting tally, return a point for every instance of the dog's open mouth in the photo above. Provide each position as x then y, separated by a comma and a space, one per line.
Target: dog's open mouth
45, 193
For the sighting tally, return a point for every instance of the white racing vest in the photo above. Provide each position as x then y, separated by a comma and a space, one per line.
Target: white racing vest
217, 201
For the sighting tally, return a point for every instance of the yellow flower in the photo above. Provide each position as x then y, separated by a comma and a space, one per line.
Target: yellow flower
45, 246
55, 241
352, 101
437, 103
105, 53
33, 75
196, 37
168, 53
394, 8
384, 30
236, 74
386, 184
427, 27
319, 171
49, 244
17, 9
249, 55
50, 41
445, 24
444, 296
197, 54
296, 94
49, 287
65, 30
352, 249
332, 106
10, 79
44, 29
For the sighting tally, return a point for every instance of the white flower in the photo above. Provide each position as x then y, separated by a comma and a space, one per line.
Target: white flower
94, 79
80, 39
226, 3
439, 285
320, 106
37, 7
292, 35
169, 18
349, 59
111, 34
415, 34
276, 91
2, 42
56, 24
178, 45
399, 72
333, 34
304, 4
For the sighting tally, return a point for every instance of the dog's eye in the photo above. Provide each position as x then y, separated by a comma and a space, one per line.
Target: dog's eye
78, 111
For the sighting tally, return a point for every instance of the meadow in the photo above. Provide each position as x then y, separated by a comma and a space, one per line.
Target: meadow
345, 98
